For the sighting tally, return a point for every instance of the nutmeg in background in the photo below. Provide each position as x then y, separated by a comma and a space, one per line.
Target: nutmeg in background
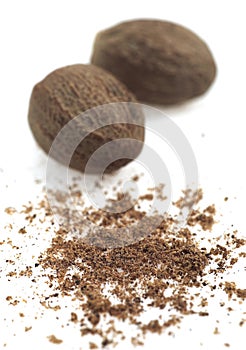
161, 62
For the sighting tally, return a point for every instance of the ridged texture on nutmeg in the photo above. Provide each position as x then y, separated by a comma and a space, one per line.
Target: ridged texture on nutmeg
159, 61
68, 92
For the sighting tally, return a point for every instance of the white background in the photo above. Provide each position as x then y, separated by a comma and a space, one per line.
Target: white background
38, 37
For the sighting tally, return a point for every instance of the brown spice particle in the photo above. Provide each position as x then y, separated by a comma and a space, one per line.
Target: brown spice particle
47, 306
10, 210
202, 313
135, 178
106, 342
147, 197
242, 322
26, 272
74, 317
216, 330
153, 326
52, 338
22, 230
231, 289
14, 302
206, 221
27, 329
136, 342
233, 261
189, 198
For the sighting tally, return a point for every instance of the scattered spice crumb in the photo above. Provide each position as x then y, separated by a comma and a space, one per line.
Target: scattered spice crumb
231, 289
216, 330
147, 197
189, 198
52, 338
242, 322
74, 317
22, 230
10, 210
136, 342
27, 329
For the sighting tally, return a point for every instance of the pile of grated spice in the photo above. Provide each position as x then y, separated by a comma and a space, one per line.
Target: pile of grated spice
123, 279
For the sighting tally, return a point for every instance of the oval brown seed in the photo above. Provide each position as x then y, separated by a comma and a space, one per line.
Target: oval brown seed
68, 92
159, 61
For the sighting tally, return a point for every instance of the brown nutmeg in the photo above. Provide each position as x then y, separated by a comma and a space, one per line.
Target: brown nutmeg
62, 98
159, 61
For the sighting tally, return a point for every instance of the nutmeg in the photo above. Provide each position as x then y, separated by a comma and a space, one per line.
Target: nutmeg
159, 61
68, 92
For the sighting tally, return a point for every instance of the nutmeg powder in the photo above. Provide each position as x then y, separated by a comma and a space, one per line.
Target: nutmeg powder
119, 284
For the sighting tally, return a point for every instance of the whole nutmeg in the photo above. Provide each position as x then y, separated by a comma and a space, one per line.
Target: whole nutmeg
159, 61
81, 107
